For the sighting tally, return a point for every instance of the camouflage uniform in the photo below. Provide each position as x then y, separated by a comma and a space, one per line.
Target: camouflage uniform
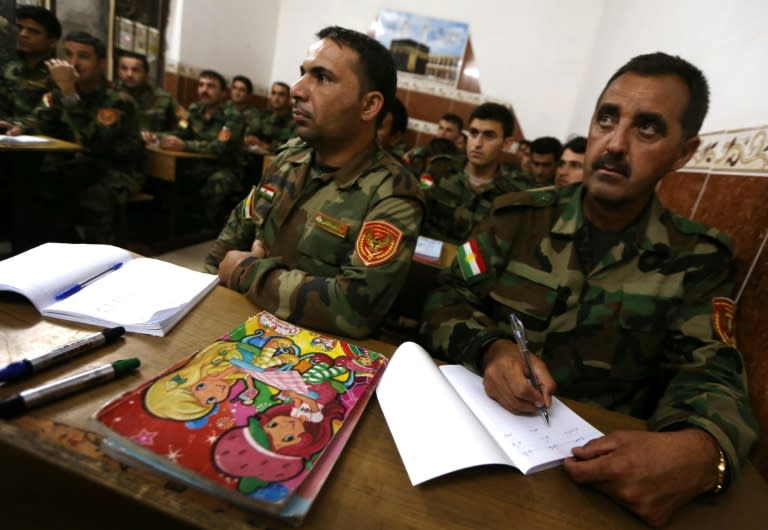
633, 334
323, 268
525, 181
400, 149
417, 159
249, 109
271, 127
221, 135
453, 207
106, 172
21, 88
158, 111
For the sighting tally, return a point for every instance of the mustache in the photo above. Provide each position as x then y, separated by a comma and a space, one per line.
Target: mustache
612, 162
298, 110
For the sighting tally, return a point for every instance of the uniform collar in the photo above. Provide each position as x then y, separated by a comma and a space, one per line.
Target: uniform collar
347, 175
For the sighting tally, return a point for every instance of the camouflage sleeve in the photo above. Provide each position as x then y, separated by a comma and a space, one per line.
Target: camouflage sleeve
122, 142
283, 135
238, 233
352, 303
228, 141
416, 160
46, 119
173, 112
456, 322
709, 389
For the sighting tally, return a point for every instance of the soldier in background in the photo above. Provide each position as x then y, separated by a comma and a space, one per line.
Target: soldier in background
626, 303
215, 128
326, 238
542, 166
85, 109
449, 127
268, 129
158, 110
461, 189
240, 96
391, 132
24, 81
571, 167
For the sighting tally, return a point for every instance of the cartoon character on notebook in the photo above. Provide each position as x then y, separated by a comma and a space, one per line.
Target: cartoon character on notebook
281, 442
195, 390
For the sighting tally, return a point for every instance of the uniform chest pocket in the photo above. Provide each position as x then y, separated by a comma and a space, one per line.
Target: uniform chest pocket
648, 306
528, 292
325, 246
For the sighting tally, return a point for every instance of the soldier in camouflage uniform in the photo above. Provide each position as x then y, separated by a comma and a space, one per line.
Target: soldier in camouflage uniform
240, 96
268, 129
326, 239
210, 127
86, 109
449, 127
392, 130
626, 303
158, 110
543, 164
460, 190
24, 81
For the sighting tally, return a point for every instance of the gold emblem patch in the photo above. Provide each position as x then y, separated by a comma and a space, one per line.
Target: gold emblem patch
106, 117
224, 134
723, 310
331, 224
378, 242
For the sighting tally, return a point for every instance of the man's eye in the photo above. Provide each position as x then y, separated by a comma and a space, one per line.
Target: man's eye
605, 120
648, 129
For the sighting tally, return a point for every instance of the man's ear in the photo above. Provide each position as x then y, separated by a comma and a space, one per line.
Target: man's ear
687, 150
372, 104
508, 141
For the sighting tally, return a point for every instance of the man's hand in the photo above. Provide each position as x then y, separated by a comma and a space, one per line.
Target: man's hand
64, 75
233, 258
10, 129
172, 143
506, 381
651, 473
148, 137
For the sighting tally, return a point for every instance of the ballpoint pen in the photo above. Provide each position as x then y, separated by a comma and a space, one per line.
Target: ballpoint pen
27, 367
16, 404
69, 291
518, 330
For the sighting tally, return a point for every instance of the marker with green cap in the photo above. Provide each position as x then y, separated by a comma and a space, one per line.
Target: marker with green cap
19, 403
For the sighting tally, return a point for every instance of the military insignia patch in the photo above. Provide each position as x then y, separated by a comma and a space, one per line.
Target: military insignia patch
181, 113
224, 134
426, 181
48, 99
248, 204
723, 310
378, 242
331, 224
183, 123
106, 117
267, 191
470, 259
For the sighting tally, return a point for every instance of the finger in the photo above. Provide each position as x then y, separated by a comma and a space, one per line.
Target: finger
258, 250
597, 470
596, 448
546, 381
499, 385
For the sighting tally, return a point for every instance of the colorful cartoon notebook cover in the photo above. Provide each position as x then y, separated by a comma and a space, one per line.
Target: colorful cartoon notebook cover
258, 417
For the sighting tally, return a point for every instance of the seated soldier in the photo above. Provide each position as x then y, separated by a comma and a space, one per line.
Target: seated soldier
326, 239
268, 129
391, 132
463, 188
24, 81
449, 127
240, 96
571, 168
158, 110
84, 108
625, 302
215, 128
545, 156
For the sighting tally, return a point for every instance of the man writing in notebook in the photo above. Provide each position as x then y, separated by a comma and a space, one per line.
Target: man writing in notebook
325, 239
625, 303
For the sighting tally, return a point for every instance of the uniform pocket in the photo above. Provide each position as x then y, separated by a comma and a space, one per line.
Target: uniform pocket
528, 292
322, 245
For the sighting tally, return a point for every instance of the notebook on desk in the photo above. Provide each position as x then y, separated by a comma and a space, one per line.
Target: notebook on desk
105, 286
258, 418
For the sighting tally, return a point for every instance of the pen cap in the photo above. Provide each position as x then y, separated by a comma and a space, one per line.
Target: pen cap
124, 366
11, 406
113, 333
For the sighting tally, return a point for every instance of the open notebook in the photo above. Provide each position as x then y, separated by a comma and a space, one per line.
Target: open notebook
143, 295
442, 421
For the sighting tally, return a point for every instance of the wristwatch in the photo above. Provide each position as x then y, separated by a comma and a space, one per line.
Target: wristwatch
722, 468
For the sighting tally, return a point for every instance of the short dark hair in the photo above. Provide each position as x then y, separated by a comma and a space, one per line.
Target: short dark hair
377, 68
43, 17
660, 63
399, 116
244, 80
134, 55
453, 118
547, 145
282, 84
577, 144
213, 74
83, 37
495, 112
523, 142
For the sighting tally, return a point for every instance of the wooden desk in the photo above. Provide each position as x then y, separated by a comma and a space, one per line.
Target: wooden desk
368, 488
22, 163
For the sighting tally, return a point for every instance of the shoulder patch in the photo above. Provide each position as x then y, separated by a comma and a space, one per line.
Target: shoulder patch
106, 117
723, 310
225, 134
691, 227
377, 242
470, 260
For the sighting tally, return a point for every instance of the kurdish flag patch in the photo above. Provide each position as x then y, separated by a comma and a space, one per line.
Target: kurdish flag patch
470, 259
248, 204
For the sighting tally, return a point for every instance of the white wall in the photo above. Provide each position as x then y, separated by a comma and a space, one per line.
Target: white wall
230, 36
549, 58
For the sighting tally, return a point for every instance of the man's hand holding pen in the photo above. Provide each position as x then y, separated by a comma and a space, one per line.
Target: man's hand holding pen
505, 379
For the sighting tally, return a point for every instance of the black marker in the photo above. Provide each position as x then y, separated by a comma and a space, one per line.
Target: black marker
27, 367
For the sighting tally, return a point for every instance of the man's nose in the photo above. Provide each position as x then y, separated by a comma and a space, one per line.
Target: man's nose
618, 139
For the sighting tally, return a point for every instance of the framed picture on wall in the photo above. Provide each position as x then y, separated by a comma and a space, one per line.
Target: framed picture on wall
140, 38
124, 34
153, 43
428, 48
